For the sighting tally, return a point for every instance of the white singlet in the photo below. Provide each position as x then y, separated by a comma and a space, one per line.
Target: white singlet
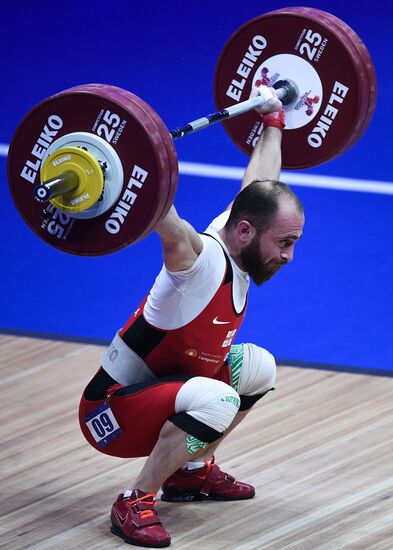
178, 297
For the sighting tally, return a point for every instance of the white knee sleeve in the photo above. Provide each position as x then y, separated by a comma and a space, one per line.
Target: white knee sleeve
253, 369
209, 401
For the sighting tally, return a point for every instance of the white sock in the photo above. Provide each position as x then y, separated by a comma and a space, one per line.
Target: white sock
193, 465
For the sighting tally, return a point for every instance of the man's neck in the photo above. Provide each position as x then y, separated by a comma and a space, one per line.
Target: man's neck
231, 246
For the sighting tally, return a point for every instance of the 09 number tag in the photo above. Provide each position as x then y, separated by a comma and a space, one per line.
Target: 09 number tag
102, 425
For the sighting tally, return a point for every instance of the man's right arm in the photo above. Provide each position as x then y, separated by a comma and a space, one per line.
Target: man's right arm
181, 244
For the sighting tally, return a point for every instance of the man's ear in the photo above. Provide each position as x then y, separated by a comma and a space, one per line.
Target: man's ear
246, 232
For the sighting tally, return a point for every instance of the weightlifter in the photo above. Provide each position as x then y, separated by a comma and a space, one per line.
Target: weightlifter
172, 384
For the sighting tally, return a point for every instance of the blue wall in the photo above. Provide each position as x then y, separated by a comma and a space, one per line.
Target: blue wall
333, 305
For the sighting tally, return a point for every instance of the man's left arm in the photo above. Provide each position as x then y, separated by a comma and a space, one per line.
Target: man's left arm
265, 160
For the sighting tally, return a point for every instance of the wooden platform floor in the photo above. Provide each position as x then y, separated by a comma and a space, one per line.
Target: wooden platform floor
319, 450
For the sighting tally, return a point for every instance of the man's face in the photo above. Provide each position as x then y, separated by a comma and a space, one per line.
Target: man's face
267, 252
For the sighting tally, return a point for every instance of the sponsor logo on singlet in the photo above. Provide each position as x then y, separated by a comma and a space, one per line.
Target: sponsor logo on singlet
228, 340
217, 322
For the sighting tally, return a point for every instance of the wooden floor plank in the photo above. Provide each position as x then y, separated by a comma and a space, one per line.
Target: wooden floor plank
318, 450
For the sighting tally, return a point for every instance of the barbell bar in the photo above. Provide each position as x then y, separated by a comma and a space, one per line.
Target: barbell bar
68, 181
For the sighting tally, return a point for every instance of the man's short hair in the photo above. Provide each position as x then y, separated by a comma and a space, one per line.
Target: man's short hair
259, 202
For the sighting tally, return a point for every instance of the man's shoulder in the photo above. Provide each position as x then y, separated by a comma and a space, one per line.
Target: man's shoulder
211, 257
212, 246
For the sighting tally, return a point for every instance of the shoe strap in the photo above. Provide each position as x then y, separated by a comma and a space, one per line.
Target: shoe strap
143, 510
214, 475
139, 520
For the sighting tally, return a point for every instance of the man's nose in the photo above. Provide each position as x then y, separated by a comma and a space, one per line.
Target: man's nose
287, 255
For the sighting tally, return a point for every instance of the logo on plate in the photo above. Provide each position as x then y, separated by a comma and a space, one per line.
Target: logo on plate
265, 80
308, 103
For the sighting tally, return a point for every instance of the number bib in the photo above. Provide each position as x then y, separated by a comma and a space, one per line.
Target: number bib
102, 425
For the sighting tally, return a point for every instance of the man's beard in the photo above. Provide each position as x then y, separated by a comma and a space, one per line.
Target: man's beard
253, 262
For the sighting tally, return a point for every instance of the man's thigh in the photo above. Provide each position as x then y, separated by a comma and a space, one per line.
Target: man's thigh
139, 410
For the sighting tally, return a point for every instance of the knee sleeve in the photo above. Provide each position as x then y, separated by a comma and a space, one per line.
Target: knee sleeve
205, 408
253, 372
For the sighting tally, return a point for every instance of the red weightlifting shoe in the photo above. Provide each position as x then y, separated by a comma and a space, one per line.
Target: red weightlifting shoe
135, 520
205, 483
276, 119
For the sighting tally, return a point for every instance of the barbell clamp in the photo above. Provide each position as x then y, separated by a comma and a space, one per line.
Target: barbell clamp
64, 183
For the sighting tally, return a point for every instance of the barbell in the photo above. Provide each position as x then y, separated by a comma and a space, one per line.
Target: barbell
93, 169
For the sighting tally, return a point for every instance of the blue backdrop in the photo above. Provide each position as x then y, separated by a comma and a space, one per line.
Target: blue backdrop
332, 305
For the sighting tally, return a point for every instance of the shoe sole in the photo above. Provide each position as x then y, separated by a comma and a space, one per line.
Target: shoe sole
118, 532
195, 496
